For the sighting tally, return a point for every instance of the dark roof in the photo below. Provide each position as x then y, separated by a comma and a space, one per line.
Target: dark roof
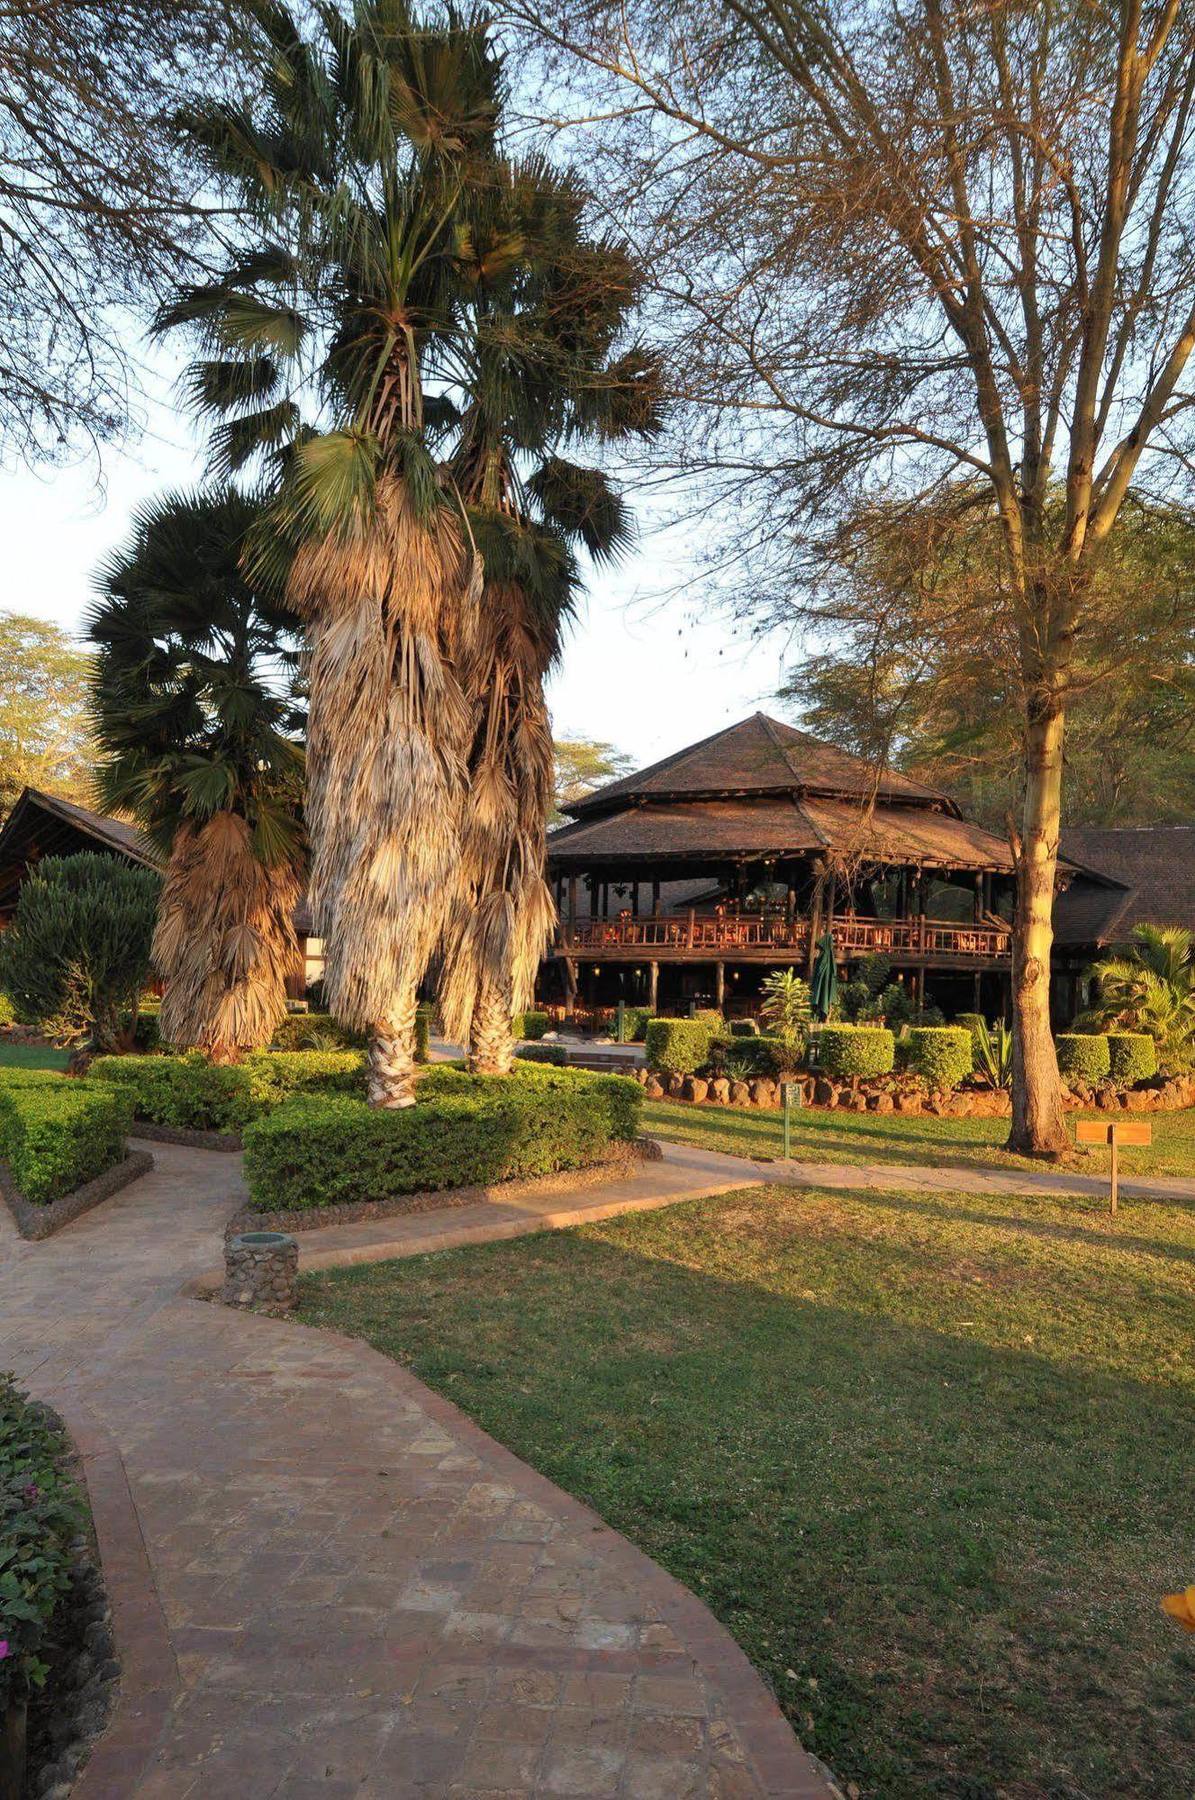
113, 834
712, 830
1128, 874
758, 756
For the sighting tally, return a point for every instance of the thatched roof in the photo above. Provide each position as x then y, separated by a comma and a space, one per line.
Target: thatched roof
758, 756
1128, 875
42, 825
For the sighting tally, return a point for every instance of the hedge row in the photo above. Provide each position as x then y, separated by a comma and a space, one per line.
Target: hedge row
56, 1134
315, 1031
1125, 1056
847, 1052
943, 1055
189, 1093
465, 1130
40, 1515
529, 1025
678, 1046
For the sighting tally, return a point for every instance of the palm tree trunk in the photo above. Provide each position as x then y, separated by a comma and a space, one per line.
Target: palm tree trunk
1038, 1126
391, 1062
491, 1044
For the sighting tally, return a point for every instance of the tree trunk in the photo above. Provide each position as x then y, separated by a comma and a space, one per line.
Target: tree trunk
491, 1045
392, 1054
1038, 1126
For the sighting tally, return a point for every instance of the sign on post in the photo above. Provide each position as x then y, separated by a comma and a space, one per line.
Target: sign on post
1114, 1133
791, 1095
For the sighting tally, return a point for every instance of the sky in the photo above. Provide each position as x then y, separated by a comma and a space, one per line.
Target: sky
644, 668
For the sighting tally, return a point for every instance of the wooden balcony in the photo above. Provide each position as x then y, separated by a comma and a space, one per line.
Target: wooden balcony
702, 937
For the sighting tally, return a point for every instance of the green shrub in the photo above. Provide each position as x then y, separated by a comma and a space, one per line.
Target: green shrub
848, 1051
740, 1028
530, 1025
423, 1032
191, 1094
57, 1134
314, 1031
677, 1046
853, 996
40, 1515
8, 1012
874, 971
634, 1023
712, 1019
465, 1130
543, 1053
1083, 1056
1132, 1056
943, 1055
770, 1057
972, 1022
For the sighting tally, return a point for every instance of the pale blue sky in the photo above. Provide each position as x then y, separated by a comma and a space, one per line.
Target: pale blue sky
646, 671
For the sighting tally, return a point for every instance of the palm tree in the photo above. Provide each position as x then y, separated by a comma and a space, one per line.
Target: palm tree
1151, 988
351, 158
195, 710
540, 311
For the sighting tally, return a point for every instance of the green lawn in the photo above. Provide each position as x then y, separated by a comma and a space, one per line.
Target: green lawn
931, 1460
32, 1056
847, 1137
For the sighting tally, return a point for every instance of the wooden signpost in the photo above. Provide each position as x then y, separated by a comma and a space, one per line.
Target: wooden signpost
791, 1095
1113, 1132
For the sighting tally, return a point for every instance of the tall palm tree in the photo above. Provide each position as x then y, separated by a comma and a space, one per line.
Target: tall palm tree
535, 362
351, 157
195, 709
1150, 987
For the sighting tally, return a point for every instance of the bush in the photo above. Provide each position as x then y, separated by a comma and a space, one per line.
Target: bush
465, 1130
1083, 1056
677, 1046
848, 1051
853, 996
712, 1019
543, 1053
740, 1028
315, 1031
57, 1134
975, 1023
75, 956
943, 1055
770, 1057
40, 1515
530, 1025
8, 1012
1132, 1056
874, 971
191, 1094
634, 1023
423, 1032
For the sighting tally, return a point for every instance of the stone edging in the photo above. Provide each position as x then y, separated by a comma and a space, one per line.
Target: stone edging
191, 1140
149, 1678
37, 1222
623, 1159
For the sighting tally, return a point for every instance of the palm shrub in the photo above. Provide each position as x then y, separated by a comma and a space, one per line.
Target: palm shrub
786, 1007
1150, 989
195, 709
76, 953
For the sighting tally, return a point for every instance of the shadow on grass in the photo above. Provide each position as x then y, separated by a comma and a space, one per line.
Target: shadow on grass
1094, 1232
945, 1557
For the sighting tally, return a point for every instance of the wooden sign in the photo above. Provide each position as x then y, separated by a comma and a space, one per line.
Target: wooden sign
1113, 1132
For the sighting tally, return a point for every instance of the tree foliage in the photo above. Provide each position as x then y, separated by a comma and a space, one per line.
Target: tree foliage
45, 724
583, 764
1150, 987
75, 957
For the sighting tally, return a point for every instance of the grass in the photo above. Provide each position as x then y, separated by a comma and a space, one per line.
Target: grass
32, 1056
847, 1137
929, 1459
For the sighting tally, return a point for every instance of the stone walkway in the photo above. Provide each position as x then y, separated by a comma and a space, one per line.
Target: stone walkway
326, 1580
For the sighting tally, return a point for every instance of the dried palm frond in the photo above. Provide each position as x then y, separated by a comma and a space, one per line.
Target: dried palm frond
225, 941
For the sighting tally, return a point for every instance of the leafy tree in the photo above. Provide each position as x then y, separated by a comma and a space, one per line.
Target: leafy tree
787, 1008
1150, 988
75, 955
583, 764
195, 709
45, 723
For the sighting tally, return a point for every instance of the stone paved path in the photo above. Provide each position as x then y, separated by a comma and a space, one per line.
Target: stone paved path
326, 1580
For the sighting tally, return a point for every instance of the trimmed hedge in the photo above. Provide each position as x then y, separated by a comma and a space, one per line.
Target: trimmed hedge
57, 1134
191, 1094
943, 1055
744, 1028
1083, 1057
464, 1131
770, 1057
543, 1053
530, 1025
849, 1051
40, 1516
423, 1032
314, 1031
1132, 1056
677, 1046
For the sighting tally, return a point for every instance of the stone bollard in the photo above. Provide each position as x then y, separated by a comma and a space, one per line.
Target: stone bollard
261, 1269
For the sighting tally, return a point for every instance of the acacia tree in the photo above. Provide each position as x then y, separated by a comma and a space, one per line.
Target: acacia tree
45, 723
903, 248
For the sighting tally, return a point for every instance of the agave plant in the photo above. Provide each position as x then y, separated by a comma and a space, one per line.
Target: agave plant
993, 1052
1151, 988
351, 158
195, 709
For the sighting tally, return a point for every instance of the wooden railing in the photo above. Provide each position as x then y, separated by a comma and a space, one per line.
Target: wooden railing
705, 935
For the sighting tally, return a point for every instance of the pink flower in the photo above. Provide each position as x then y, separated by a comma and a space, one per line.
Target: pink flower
4, 1650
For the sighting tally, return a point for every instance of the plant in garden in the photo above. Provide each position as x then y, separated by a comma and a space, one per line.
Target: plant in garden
787, 1009
75, 956
1083, 1056
196, 710
853, 1052
992, 1051
40, 1514
1151, 988
943, 1055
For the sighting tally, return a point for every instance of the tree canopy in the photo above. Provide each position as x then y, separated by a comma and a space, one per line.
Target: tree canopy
45, 721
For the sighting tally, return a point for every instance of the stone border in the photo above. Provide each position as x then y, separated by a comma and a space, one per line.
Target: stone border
622, 1159
190, 1140
36, 1222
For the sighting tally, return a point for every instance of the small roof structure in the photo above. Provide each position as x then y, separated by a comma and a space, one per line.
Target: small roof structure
1127, 875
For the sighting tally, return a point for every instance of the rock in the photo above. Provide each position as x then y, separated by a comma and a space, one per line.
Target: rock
824, 1092
881, 1103
81, 1668
1106, 1100
961, 1106
1137, 1099
720, 1091
908, 1103
653, 1088
854, 1102
764, 1092
696, 1088
740, 1093
676, 1086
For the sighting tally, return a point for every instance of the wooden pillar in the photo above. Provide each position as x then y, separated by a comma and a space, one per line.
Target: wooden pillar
570, 986
815, 919
655, 899
692, 926
978, 898
572, 911
720, 984
634, 900
977, 989
654, 989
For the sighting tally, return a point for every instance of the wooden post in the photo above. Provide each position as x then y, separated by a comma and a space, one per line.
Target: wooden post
634, 900
654, 992
978, 898
655, 899
692, 926
570, 987
977, 990
815, 923
1113, 1175
720, 984
572, 909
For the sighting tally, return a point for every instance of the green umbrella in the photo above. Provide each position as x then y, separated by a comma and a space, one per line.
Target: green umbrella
823, 990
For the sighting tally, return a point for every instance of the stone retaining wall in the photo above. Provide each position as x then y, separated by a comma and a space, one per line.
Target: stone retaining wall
906, 1094
42, 1220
